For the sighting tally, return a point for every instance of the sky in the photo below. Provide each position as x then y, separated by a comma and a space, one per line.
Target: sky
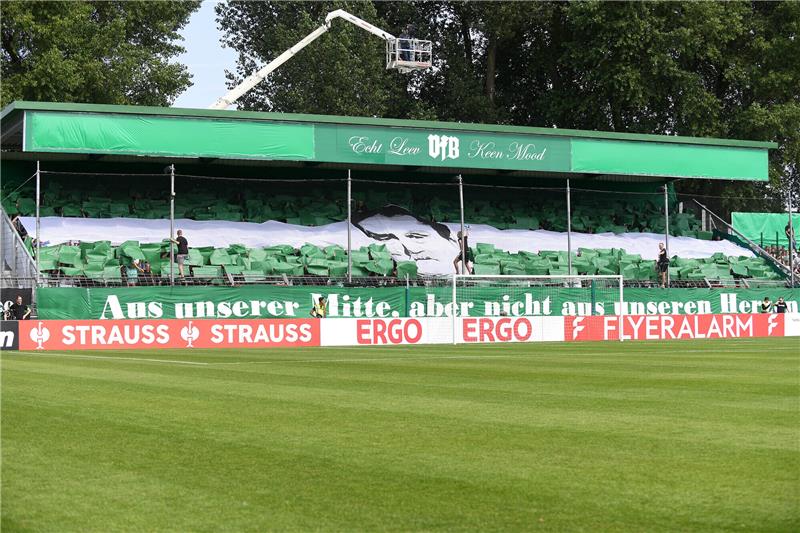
205, 58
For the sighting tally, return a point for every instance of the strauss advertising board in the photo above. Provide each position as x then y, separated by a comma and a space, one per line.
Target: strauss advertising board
158, 334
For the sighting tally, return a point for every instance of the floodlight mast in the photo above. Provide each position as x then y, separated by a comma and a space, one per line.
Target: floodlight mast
256, 78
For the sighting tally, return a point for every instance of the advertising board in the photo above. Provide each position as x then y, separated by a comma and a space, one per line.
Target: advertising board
291, 333
159, 334
669, 327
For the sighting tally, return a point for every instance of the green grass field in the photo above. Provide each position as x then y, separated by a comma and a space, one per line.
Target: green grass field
641, 436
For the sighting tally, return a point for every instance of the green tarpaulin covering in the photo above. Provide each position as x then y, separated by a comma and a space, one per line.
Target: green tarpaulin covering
176, 302
768, 228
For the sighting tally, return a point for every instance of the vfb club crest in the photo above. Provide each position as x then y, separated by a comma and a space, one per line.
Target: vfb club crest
443, 147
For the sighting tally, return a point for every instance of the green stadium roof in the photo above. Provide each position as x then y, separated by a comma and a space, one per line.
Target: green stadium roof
33, 129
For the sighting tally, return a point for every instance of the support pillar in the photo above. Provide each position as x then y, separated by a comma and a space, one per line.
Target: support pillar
666, 226
349, 225
463, 234
38, 223
171, 224
569, 229
791, 234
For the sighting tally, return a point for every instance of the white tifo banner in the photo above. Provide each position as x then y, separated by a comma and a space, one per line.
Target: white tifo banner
432, 251
392, 331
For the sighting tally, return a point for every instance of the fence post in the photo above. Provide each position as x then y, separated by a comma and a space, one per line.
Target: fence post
408, 291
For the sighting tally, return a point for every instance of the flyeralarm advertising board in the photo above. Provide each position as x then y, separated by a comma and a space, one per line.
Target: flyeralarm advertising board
668, 327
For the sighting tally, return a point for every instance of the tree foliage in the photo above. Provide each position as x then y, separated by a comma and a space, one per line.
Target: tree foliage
113, 52
715, 69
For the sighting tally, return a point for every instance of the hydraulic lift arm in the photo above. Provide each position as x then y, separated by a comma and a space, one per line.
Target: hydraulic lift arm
256, 78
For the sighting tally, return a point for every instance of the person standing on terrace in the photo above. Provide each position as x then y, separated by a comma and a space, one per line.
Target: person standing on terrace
662, 265
183, 251
789, 230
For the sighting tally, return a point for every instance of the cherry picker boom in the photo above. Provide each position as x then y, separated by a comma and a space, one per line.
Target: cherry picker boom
405, 54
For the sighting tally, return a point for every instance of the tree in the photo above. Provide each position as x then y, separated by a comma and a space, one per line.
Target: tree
115, 52
707, 69
340, 73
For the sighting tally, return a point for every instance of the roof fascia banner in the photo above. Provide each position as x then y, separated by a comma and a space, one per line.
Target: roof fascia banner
606, 156
93, 133
227, 138
442, 148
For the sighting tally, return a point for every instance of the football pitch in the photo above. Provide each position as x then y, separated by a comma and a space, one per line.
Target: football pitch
638, 436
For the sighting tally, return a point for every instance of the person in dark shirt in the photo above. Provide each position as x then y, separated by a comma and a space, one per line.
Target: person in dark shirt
404, 43
464, 246
662, 265
183, 250
766, 305
17, 223
19, 311
780, 305
147, 274
789, 230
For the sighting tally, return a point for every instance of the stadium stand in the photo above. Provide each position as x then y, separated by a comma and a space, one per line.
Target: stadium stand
300, 205
101, 263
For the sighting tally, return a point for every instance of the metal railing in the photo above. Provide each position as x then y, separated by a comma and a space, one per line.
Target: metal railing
17, 266
321, 281
758, 250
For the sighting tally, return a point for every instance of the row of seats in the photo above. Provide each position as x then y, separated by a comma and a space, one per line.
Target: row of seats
102, 261
615, 261
594, 212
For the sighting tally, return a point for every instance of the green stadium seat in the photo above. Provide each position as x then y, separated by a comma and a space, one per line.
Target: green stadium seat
629, 271
72, 271
195, 258
284, 249
205, 272
253, 275
69, 255
359, 257
406, 269
288, 269
487, 269
337, 269
256, 254
47, 264
233, 270
220, 257
381, 267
